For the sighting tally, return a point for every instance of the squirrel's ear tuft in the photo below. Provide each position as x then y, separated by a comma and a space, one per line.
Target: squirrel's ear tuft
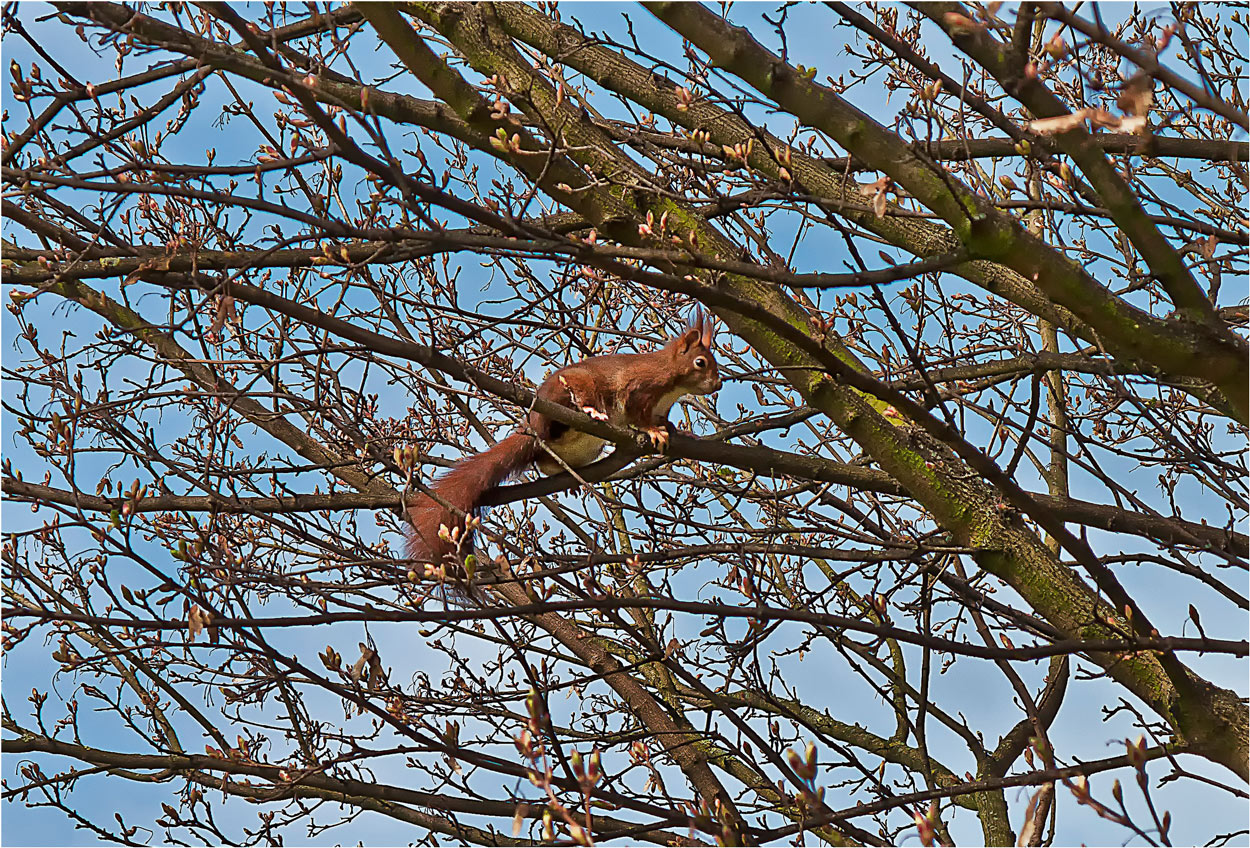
707, 329
701, 325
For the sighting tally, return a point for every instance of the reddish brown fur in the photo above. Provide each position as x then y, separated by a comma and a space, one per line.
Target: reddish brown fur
463, 487
629, 389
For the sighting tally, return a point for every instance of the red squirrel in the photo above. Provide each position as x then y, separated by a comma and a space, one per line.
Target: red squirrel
627, 389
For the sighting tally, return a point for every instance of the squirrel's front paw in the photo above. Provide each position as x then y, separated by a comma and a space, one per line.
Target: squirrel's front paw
658, 437
594, 413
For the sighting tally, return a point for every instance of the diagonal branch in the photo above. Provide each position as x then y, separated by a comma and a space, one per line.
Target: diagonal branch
1184, 349
1122, 203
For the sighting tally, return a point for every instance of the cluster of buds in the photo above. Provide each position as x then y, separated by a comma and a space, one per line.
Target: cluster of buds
429, 571
185, 553
395, 707
537, 590
267, 153
405, 457
23, 89
740, 152
293, 120
528, 745
685, 97
12, 635
650, 227
331, 658
639, 755
60, 433
588, 772
501, 142
712, 819
32, 772
239, 754
785, 158
451, 535
134, 494
330, 254
67, 655
804, 766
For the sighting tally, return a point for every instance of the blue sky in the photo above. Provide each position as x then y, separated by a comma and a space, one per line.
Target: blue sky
977, 690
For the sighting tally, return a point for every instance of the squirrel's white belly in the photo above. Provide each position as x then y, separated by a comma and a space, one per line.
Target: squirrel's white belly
573, 447
665, 402
578, 449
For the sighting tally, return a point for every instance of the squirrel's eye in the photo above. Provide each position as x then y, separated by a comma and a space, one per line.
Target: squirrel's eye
700, 362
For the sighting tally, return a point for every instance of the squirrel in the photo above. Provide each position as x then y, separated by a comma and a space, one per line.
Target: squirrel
626, 389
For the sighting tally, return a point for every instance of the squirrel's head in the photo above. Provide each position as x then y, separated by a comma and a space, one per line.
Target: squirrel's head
693, 362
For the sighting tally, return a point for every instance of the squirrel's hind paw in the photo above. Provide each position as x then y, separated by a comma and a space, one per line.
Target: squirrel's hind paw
658, 437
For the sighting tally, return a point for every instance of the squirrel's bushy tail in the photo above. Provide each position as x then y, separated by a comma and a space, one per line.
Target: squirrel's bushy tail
463, 487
